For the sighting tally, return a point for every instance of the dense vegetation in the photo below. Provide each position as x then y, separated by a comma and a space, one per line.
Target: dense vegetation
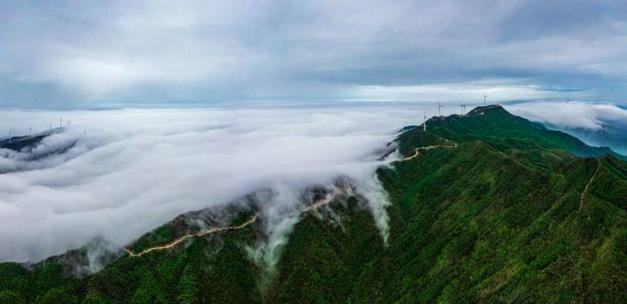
512, 213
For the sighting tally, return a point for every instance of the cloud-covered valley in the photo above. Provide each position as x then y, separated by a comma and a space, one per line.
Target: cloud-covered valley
117, 174
597, 124
128, 171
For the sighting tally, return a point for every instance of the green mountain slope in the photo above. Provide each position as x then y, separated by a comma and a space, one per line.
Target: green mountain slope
486, 207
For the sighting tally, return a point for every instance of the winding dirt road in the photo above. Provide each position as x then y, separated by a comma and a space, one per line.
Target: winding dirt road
316, 205
417, 151
192, 235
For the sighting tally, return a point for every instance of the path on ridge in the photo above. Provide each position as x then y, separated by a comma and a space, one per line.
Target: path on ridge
585, 190
316, 205
431, 147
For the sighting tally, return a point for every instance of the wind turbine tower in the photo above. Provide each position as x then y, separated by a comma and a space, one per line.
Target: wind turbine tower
439, 108
485, 99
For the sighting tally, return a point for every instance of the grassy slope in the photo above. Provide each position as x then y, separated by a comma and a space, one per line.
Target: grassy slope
497, 219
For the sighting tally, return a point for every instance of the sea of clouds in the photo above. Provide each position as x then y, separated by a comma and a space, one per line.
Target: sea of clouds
124, 172
128, 171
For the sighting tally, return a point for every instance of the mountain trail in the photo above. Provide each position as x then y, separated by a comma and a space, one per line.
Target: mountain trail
316, 205
585, 190
192, 235
417, 151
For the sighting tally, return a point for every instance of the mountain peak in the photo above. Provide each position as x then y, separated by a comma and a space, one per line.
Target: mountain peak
480, 110
497, 126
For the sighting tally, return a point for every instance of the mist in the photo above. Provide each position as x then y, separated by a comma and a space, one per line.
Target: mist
597, 124
124, 172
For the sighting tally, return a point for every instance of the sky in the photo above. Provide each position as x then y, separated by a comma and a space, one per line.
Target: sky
95, 54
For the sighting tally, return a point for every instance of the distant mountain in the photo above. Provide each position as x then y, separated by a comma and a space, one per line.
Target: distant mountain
27, 142
486, 207
23, 151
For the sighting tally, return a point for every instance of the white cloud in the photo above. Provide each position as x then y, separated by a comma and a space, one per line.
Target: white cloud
570, 115
597, 124
137, 169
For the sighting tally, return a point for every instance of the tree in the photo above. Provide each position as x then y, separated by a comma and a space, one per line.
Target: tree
11, 297
56, 296
188, 287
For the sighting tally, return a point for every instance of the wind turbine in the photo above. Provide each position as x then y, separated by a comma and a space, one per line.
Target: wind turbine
485, 99
439, 108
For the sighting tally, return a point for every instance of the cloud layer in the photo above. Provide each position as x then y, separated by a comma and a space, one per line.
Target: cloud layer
93, 54
124, 172
595, 124
133, 170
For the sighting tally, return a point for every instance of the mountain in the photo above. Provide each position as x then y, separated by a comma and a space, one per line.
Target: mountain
27, 142
486, 207
33, 151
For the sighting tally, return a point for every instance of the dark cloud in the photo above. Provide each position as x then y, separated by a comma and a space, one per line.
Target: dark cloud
84, 54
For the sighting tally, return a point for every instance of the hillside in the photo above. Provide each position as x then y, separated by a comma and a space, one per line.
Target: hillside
27, 142
26, 152
486, 207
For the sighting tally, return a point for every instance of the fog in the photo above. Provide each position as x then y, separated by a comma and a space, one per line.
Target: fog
125, 172
597, 124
